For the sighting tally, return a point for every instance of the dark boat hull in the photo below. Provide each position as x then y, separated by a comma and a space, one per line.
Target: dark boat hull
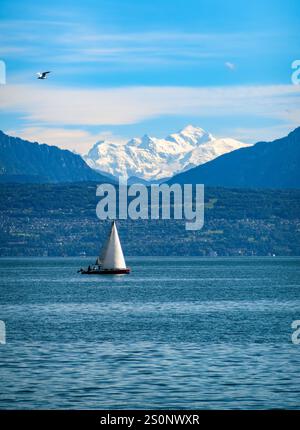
106, 272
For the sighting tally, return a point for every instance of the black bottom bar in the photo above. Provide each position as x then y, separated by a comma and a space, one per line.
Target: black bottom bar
139, 418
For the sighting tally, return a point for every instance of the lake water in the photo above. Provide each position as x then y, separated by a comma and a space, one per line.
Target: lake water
176, 333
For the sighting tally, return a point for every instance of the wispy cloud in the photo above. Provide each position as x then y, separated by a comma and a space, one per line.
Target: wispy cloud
73, 42
129, 105
229, 65
267, 133
77, 140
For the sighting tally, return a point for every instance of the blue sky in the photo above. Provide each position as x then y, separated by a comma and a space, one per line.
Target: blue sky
123, 68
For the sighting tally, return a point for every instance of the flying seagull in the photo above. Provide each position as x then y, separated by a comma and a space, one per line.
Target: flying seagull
42, 75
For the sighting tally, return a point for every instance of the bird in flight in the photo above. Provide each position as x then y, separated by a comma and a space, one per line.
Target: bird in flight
42, 75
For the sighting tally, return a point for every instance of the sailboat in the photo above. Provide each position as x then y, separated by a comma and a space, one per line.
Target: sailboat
111, 260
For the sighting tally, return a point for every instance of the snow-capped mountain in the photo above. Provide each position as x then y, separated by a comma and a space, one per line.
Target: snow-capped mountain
151, 158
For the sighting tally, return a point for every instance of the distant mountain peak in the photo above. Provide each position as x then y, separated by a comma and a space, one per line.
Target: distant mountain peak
191, 129
193, 135
151, 158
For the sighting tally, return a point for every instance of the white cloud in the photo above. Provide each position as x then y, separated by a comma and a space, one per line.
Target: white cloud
75, 140
267, 133
73, 42
230, 66
58, 106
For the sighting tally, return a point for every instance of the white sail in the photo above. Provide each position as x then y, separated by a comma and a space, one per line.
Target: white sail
101, 256
112, 255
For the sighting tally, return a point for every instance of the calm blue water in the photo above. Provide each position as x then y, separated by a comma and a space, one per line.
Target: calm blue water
176, 333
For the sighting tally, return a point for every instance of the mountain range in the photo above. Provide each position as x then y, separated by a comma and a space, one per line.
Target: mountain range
263, 165
219, 162
23, 161
153, 159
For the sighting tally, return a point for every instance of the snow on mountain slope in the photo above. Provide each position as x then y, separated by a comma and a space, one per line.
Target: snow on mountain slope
151, 158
